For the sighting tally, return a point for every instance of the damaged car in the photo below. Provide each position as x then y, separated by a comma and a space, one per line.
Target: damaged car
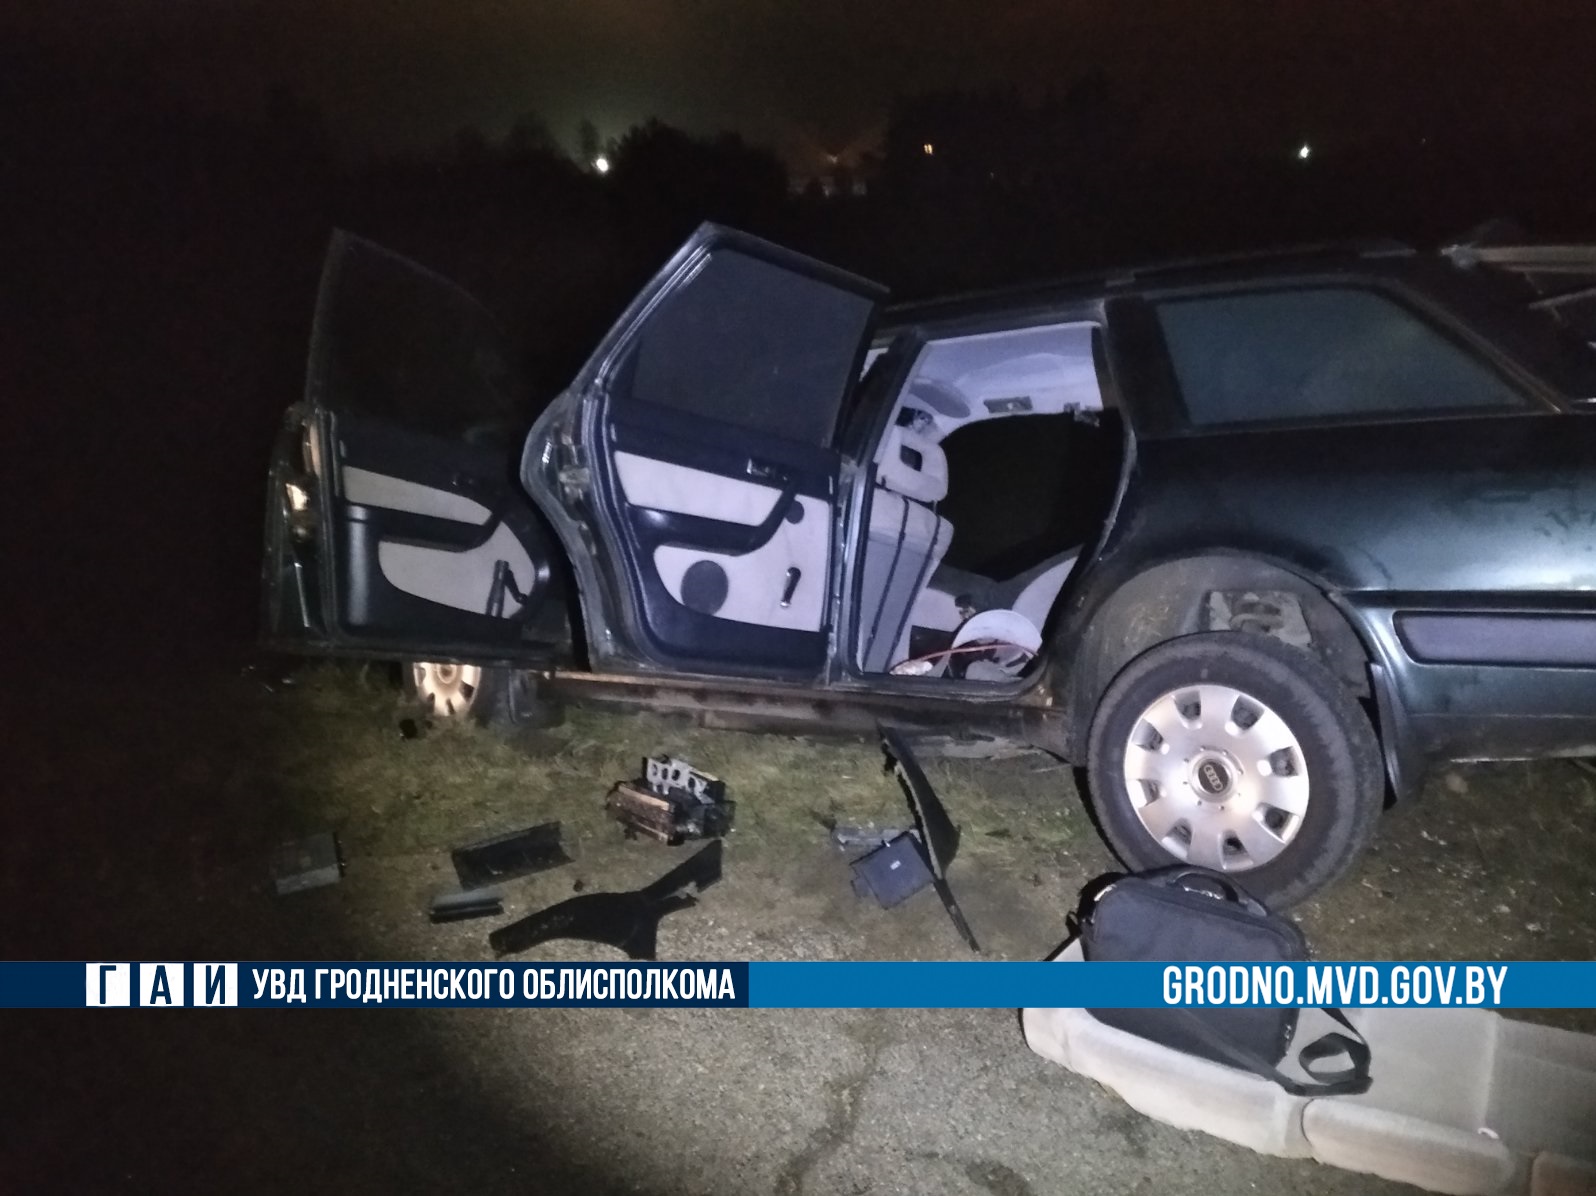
1293, 528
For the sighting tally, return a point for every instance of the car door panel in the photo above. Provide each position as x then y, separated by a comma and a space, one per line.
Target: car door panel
715, 519
713, 405
782, 583
369, 488
424, 547
413, 535
667, 486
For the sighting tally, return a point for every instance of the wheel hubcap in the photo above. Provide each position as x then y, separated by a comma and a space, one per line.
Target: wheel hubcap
1216, 777
447, 689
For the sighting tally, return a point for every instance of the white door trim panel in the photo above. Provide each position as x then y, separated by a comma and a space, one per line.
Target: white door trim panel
682, 490
368, 489
755, 580
462, 579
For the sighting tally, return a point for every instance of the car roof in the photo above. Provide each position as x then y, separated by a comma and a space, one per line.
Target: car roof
1261, 265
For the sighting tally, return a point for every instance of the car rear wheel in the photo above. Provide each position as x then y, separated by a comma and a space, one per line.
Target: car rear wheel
1235, 752
493, 696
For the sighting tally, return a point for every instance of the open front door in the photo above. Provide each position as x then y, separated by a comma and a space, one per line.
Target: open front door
714, 405
400, 526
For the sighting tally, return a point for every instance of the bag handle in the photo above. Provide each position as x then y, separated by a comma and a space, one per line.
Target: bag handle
1347, 1081
1178, 877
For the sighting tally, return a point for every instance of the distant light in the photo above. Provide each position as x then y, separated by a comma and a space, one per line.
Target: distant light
928, 149
1304, 152
601, 164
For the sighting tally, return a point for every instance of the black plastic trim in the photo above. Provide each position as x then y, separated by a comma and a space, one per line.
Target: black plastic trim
1500, 639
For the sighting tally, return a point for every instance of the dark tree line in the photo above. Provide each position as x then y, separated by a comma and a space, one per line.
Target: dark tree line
162, 266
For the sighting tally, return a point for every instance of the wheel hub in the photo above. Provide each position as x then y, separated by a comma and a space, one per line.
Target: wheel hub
1213, 776
448, 689
1216, 777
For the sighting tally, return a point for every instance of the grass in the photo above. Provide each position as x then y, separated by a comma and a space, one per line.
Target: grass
343, 763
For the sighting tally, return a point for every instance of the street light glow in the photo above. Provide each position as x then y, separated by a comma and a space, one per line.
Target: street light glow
1304, 152
601, 164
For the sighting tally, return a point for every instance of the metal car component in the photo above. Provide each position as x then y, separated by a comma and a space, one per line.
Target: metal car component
1217, 777
673, 802
672, 816
445, 688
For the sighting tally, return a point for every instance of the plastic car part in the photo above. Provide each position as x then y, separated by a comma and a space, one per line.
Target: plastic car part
893, 872
458, 907
935, 829
1465, 1100
628, 922
507, 856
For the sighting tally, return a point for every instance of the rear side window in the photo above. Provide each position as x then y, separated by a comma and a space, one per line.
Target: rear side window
1320, 353
752, 344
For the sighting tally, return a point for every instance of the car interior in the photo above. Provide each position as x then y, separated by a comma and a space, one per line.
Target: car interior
937, 599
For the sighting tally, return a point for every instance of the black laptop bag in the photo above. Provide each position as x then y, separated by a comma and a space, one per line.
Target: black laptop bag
1184, 914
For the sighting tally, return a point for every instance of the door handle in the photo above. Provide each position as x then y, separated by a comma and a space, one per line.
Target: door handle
791, 588
767, 472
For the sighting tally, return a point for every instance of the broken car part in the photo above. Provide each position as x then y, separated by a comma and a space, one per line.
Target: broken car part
507, 856
673, 801
893, 872
937, 833
307, 864
473, 903
628, 922
847, 835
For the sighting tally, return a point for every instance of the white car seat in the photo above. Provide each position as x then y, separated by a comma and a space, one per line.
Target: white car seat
907, 541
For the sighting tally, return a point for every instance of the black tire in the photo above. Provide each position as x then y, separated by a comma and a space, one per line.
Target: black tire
1340, 757
502, 699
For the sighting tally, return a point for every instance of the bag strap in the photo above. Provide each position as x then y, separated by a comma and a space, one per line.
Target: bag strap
1347, 1081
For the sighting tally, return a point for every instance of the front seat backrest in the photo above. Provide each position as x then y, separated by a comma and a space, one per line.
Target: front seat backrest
913, 465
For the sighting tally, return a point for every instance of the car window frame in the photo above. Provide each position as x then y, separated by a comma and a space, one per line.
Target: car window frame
595, 380
1139, 319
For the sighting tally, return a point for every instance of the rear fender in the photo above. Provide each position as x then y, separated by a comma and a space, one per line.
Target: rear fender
1214, 592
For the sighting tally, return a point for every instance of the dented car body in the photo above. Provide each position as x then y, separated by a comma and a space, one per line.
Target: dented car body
1363, 477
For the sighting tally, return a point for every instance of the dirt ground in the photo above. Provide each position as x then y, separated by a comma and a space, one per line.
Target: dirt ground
142, 817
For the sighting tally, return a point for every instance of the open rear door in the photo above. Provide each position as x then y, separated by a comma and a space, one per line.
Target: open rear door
713, 405
397, 524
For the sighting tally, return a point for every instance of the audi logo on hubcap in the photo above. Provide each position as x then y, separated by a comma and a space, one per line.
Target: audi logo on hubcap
1212, 777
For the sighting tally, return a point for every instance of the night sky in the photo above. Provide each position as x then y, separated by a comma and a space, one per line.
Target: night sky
818, 76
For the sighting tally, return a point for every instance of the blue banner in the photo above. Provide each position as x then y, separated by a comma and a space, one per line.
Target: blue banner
966, 985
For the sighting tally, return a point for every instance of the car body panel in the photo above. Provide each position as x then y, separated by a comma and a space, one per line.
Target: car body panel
1489, 514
